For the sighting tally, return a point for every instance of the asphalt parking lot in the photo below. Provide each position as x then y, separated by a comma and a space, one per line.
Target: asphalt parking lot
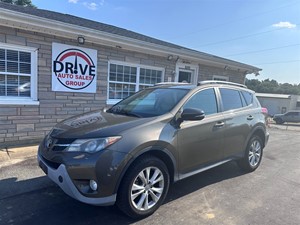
223, 195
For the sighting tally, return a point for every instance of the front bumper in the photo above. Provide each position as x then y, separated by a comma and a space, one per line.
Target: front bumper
61, 177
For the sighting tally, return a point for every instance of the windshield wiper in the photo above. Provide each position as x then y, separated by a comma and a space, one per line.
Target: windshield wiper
128, 113
124, 112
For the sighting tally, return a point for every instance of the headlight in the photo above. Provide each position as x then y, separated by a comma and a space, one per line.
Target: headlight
91, 145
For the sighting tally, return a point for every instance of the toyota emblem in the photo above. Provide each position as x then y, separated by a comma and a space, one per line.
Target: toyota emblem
49, 142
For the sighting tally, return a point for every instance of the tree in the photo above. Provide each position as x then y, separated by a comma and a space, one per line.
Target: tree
273, 87
253, 84
24, 3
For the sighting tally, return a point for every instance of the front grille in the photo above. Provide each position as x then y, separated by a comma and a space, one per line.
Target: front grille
58, 148
55, 144
62, 144
53, 165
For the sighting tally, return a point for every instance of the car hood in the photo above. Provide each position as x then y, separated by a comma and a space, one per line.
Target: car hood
95, 124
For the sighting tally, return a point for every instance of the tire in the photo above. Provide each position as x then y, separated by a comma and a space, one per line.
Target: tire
279, 121
253, 155
143, 188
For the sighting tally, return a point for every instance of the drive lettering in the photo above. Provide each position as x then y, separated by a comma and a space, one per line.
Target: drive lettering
70, 68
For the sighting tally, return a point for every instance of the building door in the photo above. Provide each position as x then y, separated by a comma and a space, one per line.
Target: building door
186, 73
185, 76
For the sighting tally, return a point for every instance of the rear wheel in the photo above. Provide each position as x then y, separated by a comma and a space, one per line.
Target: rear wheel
144, 187
253, 155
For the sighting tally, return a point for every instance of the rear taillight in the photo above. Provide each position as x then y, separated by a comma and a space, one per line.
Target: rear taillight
264, 110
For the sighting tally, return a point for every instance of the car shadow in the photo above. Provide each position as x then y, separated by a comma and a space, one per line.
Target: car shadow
42, 202
292, 124
194, 183
287, 124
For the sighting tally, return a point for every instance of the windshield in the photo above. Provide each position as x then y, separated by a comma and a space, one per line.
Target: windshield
149, 102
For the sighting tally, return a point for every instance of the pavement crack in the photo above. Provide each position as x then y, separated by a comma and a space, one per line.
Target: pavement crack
295, 183
5, 150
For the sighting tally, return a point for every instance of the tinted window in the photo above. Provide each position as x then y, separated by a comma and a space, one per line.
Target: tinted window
248, 97
243, 100
292, 114
231, 99
204, 100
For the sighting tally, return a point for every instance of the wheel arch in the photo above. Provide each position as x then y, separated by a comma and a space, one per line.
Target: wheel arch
260, 132
244, 162
163, 154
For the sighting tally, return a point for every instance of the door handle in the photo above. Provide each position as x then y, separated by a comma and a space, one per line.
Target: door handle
219, 124
250, 117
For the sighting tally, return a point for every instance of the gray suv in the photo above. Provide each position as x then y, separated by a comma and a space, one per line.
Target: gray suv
131, 153
292, 116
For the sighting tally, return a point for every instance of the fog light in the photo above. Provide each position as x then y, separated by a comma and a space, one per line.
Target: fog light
93, 185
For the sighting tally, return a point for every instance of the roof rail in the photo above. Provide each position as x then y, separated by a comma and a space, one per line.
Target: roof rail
220, 82
171, 83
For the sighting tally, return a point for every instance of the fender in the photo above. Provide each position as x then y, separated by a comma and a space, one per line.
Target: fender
259, 127
145, 150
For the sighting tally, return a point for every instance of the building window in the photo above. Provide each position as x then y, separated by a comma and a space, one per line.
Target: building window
17, 74
149, 77
298, 104
124, 80
220, 78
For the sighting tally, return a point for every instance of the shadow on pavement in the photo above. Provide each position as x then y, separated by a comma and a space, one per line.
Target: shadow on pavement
292, 124
201, 180
286, 124
49, 205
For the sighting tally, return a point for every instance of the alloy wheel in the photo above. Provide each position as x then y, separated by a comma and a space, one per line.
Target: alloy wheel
147, 188
255, 153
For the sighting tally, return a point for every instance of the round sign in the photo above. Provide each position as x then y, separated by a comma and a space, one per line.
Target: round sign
74, 69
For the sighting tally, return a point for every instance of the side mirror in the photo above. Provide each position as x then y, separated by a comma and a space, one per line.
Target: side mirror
192, 114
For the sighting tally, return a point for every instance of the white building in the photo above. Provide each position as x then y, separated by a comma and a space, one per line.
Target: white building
278, 103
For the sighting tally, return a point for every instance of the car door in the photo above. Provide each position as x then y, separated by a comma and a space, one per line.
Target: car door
200, 142
239, 117
297, 118
291, 117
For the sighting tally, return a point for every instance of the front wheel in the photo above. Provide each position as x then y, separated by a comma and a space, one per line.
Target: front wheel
253, 155
279, 121
144, 187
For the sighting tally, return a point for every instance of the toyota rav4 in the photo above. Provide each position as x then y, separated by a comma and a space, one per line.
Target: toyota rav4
130, 153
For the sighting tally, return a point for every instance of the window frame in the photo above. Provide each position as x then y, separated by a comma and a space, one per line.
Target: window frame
201, 90
291, 113
243, 97
32, 100
137, 83
222, 102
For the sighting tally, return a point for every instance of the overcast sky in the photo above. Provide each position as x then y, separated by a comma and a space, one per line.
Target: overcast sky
262, 33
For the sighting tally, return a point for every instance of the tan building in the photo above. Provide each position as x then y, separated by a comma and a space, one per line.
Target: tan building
53, 66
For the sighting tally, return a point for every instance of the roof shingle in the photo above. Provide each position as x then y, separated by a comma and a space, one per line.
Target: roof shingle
70, 19
110, 29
